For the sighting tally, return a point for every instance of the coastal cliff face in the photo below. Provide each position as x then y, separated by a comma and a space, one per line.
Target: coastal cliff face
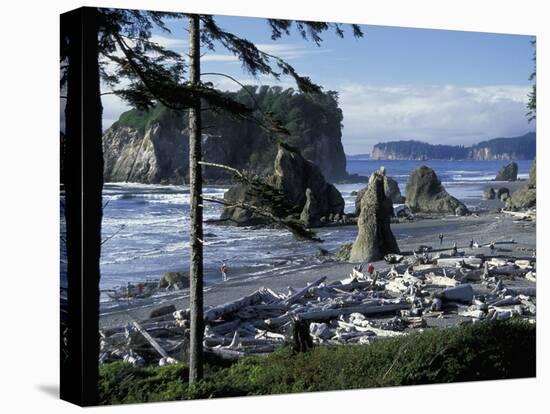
152, 147
516, 148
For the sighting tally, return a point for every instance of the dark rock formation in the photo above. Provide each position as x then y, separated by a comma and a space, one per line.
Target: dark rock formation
177, 280
305, 191
152, 147
489, 194
503, 192
525, 197
374, 238
391, 189
425, 194
508, 172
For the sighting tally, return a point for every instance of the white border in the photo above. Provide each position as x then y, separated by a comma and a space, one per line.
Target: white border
29, 205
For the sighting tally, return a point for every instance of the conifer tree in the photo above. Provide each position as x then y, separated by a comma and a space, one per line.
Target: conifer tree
204, 31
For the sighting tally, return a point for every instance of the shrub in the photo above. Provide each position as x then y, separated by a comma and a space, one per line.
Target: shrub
481, 351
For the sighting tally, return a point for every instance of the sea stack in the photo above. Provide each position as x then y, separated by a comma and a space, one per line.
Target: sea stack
426, 194
508, 172
525, 197
304, 189
375, 238
391, 189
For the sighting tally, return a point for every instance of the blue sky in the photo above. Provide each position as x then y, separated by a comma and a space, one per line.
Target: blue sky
394, 83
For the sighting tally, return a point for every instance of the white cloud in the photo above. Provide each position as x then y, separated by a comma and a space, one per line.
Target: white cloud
287, 51
436, 114
172, 43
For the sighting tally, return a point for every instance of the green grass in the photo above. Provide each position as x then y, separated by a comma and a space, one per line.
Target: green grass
483, 351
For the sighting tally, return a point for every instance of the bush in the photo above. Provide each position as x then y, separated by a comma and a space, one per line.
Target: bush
482, 351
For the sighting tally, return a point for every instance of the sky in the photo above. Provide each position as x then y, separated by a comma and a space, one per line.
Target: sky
443, 87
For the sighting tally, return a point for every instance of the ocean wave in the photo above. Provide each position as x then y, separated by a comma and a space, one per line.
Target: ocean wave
457, 178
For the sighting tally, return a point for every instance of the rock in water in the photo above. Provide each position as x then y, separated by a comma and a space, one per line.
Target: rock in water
375, 238
391, 189
508, 173
293, 176
425, 194
174, 280
489, 194
525, 197
503, 193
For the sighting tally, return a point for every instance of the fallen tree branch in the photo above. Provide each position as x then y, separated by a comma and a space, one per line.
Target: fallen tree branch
293, 226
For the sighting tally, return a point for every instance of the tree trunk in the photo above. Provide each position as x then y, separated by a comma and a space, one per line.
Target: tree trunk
195, 190
83, 170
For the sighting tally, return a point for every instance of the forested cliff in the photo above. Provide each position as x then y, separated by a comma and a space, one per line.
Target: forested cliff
516, 148
152, 147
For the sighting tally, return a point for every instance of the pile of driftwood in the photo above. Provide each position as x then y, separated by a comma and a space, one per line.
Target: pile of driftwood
362, 308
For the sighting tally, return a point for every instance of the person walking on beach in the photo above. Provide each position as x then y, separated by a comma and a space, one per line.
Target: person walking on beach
440, 239
471, 243
224, 270
370, 269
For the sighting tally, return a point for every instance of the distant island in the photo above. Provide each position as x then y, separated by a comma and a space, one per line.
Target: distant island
358, 157
515, 148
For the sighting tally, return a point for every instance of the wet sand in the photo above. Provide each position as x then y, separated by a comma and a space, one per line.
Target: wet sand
484, 228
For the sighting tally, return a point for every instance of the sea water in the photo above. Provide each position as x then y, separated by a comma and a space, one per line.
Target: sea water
145, 227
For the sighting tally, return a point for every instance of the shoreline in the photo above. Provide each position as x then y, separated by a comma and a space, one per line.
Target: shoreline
483, 228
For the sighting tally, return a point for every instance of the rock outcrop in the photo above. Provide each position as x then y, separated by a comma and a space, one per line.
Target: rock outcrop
489, 194
426, 194
174, 280
306, 193
508, 172
391, 189
152, 147
525, 197
503, 193
374, 238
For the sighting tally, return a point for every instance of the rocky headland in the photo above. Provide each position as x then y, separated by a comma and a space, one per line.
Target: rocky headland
515, 148
152, 147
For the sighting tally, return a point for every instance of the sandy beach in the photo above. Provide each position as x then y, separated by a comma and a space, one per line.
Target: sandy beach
482, 228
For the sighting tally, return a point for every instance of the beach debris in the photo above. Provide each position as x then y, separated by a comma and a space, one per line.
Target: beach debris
368, 305
393, 258
163, 310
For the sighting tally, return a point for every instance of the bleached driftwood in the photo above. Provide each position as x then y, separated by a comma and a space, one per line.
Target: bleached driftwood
151, 340
460, 293
441, 280
219, 311
290, 300
531, 276
528, 214
321, 315
459, 261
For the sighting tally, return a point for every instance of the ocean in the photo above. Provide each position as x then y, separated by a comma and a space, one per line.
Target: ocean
147, 225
